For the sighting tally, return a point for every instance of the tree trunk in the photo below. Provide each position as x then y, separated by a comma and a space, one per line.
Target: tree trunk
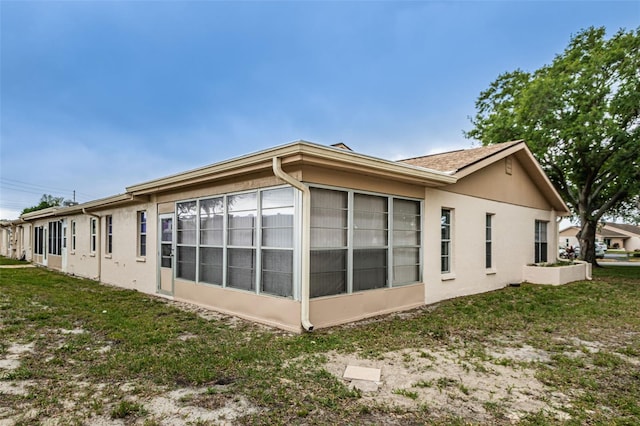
587, 238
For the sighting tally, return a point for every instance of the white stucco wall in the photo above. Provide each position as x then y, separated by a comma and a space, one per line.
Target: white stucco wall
124, 267
81, 261
633, 243
5, 242
513, 235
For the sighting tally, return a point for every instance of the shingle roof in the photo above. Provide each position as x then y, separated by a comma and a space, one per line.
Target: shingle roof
455, 161
629, 228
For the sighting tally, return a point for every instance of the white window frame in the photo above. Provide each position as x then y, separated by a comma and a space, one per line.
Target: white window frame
55, 238
93, 235
38, 243
541, 242
73, 236
446, 242
108, 241
488, 243
142, 219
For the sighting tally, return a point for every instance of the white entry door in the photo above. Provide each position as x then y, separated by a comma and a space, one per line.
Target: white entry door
165, 254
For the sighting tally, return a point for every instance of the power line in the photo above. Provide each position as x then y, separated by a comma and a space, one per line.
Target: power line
32, 185
30, 188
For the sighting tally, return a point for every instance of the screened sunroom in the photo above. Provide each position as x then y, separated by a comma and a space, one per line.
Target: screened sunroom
250, 241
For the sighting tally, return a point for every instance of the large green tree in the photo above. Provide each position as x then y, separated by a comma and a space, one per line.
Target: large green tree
46, 201
580, 116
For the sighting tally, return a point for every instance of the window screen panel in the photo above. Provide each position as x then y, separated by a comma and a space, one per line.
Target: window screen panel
328, 218
328, 272
241, 268
186, 263
212, 221
275, 198
242, 212
277, 227
186, 229
370, 220
277, 272
369, 269
406, 238
406, 265
211, 265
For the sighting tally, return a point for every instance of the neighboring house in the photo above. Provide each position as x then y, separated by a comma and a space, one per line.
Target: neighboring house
620, 235
614, 235
303, 235
567, 236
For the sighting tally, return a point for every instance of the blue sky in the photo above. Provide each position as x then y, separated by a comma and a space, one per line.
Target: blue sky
99, 95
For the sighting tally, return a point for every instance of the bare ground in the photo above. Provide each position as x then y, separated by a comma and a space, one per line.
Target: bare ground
445, 382
500, 379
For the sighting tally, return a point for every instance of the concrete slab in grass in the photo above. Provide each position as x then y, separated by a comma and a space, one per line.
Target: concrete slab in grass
353, 372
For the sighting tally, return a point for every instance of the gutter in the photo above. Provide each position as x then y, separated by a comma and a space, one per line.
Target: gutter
98, 243
306, 239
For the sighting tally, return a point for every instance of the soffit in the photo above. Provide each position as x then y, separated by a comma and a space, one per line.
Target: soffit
295, 154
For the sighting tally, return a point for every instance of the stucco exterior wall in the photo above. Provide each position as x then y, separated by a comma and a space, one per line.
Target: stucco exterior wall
81, 261
633, 243
123, 267
494, 183
238, 184
334, 310
556, 275
342, 179
5, 243
274, 311
513, 237
568, 237
629, 244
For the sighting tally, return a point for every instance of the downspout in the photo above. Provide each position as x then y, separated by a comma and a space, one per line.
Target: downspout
306, 239
98, 243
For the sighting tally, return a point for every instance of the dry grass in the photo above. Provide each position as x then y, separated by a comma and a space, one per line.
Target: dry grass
74, 351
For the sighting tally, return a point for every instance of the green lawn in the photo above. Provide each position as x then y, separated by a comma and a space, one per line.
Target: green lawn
99, 351
7, 261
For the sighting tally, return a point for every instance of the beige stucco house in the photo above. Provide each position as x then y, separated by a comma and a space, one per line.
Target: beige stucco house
305, 236
621, 235
614, 235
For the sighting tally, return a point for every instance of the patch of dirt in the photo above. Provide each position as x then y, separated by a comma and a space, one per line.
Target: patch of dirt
447, 382
189, 405
525, 353
206, 313
10, 360
92, 403
15, 387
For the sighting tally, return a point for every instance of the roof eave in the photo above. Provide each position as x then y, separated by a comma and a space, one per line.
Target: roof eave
78, 208
306, 152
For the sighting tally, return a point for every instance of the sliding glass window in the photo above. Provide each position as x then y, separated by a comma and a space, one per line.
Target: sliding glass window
406, 241
355, 238
370, 241
277, 241
186, 240
328, 242
211, 240
241, 252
